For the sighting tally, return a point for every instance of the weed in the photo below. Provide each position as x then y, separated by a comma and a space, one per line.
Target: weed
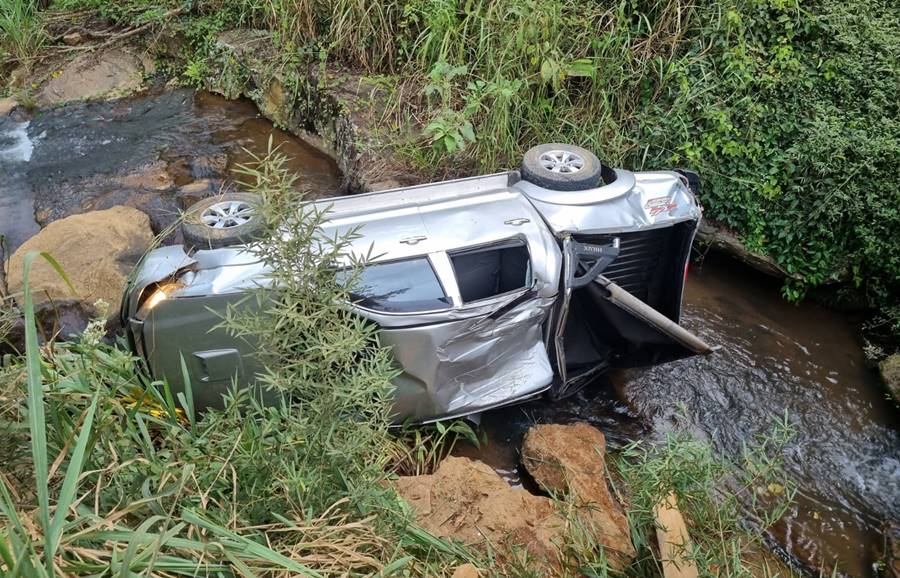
22, 30
728, 506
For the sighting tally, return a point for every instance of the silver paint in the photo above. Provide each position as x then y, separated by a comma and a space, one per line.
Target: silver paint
466, 358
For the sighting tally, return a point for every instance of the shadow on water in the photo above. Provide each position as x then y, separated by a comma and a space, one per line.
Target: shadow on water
776, 358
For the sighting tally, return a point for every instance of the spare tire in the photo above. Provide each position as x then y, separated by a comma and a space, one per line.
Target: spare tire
222, 220
562, 167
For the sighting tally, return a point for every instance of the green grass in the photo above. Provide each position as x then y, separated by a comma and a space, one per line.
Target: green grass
22, 30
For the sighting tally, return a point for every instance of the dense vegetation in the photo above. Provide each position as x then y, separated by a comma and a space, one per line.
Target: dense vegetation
788, 110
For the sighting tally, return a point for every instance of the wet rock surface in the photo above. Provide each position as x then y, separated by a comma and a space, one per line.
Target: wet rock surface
112, 72
96, 250
158, 152
342, 111
570, 460
890, 374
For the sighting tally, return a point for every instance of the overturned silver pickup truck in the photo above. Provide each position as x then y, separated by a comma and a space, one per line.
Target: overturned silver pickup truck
489, 289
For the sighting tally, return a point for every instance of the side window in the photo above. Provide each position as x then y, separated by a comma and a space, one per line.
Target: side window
399, 287
492, 270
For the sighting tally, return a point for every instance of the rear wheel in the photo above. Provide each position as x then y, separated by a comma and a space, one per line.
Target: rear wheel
222, 220
562, 167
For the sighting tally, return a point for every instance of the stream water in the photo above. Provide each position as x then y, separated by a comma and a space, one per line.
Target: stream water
776, 357
137, 151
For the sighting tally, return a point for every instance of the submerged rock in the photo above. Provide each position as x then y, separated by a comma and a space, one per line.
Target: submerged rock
890, 373
468, 501
569, 460
96, 250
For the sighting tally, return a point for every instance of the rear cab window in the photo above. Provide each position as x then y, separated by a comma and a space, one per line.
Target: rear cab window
492, 270
407, 286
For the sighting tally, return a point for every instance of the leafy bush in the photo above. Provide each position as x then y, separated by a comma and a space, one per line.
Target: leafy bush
779, 106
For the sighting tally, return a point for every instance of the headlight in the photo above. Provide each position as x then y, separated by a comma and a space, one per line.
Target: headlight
156, 294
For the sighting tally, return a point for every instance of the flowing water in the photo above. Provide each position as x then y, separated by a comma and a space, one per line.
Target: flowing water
137, 151
776, 357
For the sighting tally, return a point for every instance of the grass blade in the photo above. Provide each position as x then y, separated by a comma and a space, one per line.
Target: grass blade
36, 419
70, 483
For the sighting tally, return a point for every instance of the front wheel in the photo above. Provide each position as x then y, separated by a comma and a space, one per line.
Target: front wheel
562, 167
222, 220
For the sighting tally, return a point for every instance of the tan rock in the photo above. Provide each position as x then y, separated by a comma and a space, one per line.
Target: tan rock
153, 177
114, 72
96, 250
273, 104
201, 187
73, 39
467, 500
466, 571
890, 373
569, 460
7, 105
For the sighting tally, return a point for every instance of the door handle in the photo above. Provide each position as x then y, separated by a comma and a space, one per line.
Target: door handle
516, 222
413, 240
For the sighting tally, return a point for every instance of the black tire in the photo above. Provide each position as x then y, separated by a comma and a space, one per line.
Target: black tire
587, 173
243, 227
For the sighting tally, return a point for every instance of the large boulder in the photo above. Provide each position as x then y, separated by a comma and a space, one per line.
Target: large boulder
96, 250
890, 373
113, 72
569, 461
468, 501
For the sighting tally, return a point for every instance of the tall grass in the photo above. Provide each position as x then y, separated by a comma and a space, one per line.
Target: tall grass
22, 29
535, 71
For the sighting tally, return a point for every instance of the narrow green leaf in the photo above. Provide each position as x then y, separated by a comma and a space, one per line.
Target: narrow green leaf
36, 420
248, 546
70, 483
187, 397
